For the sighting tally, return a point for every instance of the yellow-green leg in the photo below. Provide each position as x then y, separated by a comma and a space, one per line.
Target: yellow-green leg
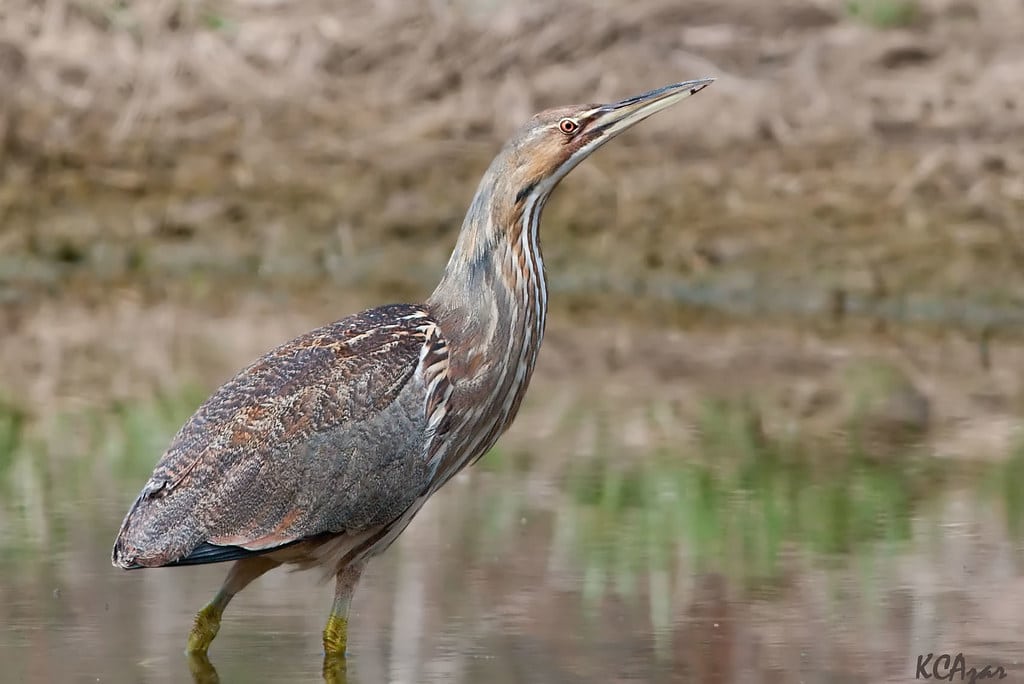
207, 621
336, 631
203, 671
335, 671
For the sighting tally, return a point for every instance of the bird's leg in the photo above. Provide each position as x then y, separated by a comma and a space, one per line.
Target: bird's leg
335, 670
336, 631
207, 621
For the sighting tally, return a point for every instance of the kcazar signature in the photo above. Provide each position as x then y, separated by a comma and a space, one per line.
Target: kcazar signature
952, 667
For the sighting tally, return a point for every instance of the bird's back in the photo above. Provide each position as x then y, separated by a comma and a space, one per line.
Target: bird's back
325, 434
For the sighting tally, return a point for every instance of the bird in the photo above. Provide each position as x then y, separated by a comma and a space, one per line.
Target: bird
321, 452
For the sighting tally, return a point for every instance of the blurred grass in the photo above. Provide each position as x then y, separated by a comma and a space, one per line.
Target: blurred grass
884, 13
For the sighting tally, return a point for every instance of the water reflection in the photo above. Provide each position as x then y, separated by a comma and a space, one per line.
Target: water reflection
738, 559
202, 670
334, 670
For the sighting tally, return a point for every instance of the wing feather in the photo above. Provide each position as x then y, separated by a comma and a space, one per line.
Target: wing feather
327, 433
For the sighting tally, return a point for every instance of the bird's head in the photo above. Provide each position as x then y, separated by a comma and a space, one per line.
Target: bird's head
554, 141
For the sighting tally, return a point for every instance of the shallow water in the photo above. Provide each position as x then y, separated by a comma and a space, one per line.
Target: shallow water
736, 562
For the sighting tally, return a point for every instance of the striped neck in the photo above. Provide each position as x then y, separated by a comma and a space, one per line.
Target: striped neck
492, 301
491, 307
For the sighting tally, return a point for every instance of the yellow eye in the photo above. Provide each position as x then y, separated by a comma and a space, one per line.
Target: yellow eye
568, 126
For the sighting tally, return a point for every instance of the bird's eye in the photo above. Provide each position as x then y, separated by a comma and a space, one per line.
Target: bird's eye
568, 126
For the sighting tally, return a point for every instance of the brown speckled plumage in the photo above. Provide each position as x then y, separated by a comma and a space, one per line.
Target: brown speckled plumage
327, 418
323, 450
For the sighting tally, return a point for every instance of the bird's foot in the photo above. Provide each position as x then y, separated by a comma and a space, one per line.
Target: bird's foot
205, 628
336, 637
203, 671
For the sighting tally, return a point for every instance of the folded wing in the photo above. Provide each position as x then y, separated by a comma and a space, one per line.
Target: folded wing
325, 435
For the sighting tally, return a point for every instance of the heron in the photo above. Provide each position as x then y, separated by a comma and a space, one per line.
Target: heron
321, 452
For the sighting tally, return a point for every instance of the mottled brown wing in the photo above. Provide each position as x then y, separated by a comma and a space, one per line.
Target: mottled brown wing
327, 433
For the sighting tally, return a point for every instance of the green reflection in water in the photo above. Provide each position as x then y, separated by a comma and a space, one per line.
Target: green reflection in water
1002, 484
733, 501
76, 465
12, 425
736, 502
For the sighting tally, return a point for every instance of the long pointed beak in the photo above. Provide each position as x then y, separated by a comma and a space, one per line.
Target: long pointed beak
612, 119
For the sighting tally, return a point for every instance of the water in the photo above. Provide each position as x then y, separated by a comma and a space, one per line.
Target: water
733, 560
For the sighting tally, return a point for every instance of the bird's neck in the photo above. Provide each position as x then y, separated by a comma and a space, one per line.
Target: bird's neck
491, 304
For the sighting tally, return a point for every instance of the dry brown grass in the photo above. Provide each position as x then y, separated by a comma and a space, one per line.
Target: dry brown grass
382, 76
338, 125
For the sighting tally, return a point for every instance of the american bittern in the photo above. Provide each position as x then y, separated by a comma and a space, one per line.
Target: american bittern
323, 450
